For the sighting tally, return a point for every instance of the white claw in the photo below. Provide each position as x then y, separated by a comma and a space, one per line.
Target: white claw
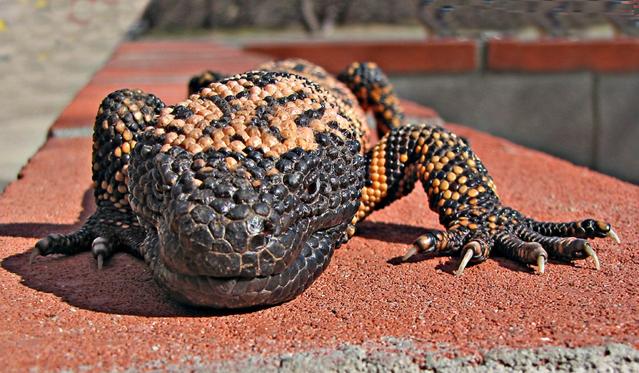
411, 251
467, 256
100, 259
541, 264
588, 249
612, 234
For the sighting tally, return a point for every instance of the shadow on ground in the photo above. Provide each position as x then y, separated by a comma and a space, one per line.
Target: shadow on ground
390, 232
126, 286
39, 230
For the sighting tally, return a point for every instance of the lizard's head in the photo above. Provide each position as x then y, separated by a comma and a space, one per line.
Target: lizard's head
236, 227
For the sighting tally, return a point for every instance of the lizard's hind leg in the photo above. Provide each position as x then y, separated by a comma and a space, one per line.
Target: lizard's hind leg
207, 77
121, 117
374, 92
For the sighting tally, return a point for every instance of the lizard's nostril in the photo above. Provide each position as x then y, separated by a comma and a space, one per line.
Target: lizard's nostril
313, 187
269, 227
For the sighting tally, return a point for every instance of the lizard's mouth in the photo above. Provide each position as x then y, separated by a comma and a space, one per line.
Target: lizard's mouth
241, 292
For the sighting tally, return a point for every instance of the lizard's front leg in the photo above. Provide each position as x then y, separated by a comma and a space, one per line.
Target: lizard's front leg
460, 190
121, 117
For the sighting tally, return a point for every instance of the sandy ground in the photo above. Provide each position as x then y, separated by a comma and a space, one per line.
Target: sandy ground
48, 51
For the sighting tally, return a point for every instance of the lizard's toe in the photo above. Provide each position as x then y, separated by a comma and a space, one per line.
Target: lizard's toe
437, 242
423, 244
523, 251
476, 250
568, 249
563, 248
474, 246
35, 252
588, 228
51, 244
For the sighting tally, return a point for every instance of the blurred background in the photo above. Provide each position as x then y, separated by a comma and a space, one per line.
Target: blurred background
558, 76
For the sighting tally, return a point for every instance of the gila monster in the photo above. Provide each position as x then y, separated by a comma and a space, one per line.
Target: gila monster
239, 195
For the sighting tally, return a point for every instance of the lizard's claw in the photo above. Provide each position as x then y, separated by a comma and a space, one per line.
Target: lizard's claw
34, 253
591, 252
467, 256
350, 230
541, 264
100, 260
612, 234
411, 251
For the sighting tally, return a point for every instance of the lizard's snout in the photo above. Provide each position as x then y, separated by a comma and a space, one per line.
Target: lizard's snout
236, 234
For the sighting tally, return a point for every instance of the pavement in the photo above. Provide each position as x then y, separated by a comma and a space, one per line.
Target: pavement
365, 312
48, 51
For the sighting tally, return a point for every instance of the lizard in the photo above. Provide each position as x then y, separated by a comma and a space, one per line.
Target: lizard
239, 195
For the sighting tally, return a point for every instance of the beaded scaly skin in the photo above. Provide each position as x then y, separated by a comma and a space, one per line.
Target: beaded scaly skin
239, 195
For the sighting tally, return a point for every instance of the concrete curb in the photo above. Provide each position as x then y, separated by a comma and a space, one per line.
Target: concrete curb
405, 355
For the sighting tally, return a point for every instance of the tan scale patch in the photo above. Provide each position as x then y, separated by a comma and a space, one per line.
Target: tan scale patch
239, 132
341, 94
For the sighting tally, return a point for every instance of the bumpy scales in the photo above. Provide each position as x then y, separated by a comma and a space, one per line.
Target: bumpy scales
239, 195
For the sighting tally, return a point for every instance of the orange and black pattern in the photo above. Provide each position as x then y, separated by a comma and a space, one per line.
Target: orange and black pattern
239, 195
464, 196
375, 93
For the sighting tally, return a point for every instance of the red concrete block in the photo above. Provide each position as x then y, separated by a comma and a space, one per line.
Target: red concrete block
621, 55
172, 62
188, 67
82, 110
181, 53
169, 46
142, 70
414, 109
394, 57
61, 312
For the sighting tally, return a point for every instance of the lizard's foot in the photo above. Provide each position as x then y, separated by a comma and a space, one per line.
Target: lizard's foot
475, 244
511, 235
104, 233
460, 190
122, 115
562, 241
67, 244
